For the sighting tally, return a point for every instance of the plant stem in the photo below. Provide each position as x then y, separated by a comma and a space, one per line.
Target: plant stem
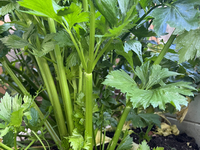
5, 147
119, 127
30, 145
12, 85
63, 82
39, 140
15, 140
43, 94
85, 5
92, 37
102, 52
53, 95
88, 108
80, 84
165, 49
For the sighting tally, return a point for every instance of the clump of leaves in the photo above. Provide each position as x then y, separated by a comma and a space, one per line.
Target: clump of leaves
12, 112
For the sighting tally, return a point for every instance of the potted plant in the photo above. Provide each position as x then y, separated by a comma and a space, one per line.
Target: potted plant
67, 51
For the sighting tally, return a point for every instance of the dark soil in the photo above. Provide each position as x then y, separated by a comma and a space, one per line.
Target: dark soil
171, 142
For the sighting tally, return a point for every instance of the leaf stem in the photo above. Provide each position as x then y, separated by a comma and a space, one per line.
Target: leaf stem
63, 82
119, 127
164, 50
80, 53
92, 37
4, 146
88, 108
102, 52
33, 141
39, 139
85, 5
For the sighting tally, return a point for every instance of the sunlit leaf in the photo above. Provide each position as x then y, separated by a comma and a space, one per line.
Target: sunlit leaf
188, 45
175, 15
135, 46
76, 16
108, 8
41, 8
120, 80
170, 93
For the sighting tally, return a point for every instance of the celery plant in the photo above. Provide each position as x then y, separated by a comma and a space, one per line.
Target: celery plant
68, 40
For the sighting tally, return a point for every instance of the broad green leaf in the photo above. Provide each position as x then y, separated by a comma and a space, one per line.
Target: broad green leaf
170, 93
175, 15
5, 27
120, 80
73, 59
77, 141
34, 117
5, 107
8, 8
3, 50
142, 120
4, 131
17, 103
116, 31
135, 46
123, 5
188, 45
13, 41
126, 143
16, 118
143, 73
63, 39
152, 75
8, 139
41, 8
119, 48
144, 3
108, 8
144, 146
76, 16
157, 74
143, 32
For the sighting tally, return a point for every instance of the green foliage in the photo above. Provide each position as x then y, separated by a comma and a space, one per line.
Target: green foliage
77, 141
126, 142
141, 120
174, 14
188, 45
75, 15
125, 84
144, 146
108, 9
159, 96
8, 8
42, 8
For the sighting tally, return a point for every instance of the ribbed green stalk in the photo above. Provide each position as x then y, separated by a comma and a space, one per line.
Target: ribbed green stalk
92, 37
63, 82
80, 80
85, 5
88, 108
165, 49
25, 92
119, 127
53, 95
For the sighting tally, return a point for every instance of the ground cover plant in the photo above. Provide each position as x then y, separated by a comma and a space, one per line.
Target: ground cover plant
92, 64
